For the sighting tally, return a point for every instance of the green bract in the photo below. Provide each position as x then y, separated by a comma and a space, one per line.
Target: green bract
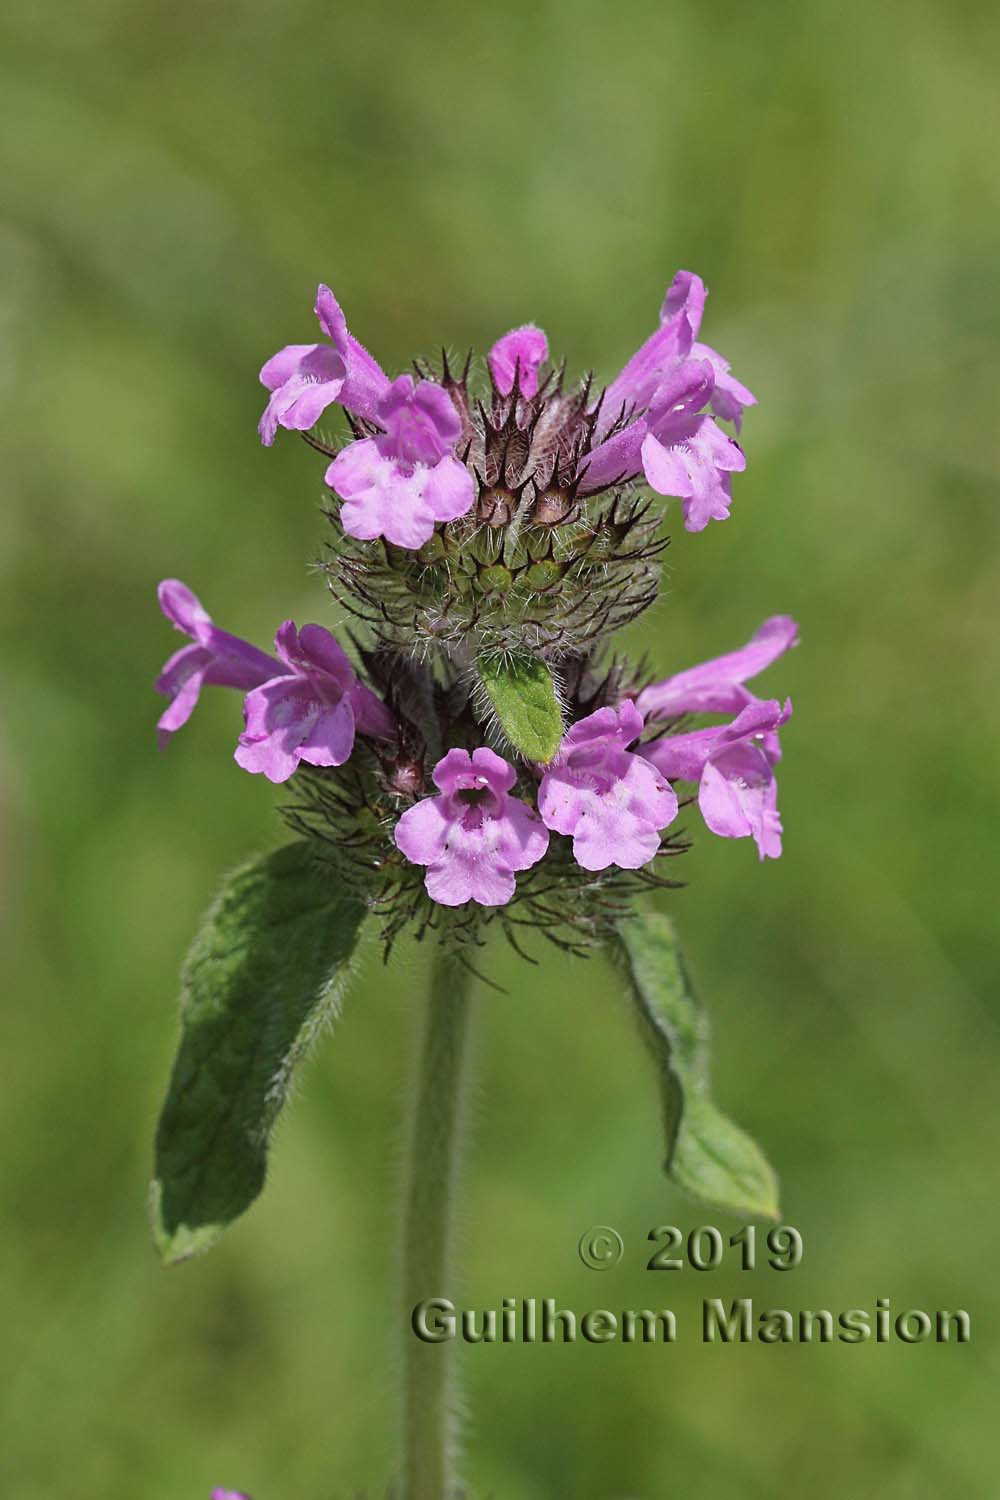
522, 694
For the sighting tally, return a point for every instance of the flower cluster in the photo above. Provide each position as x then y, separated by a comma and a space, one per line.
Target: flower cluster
503, 518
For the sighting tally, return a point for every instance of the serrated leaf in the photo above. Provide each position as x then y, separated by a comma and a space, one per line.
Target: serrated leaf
522, 693
707, 1154
266, 971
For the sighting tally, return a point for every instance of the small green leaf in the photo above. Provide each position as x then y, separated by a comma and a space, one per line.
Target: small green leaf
267, 969
707, 1155
521, 691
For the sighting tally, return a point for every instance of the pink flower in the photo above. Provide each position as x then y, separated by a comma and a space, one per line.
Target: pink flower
310, 712
304, 379
218, 1494
399, 484
632, 390
612, 803
685, 297
717, 686
734, 767
215, 657
679, 449
420, 424
672, 440
523, 349
475, 835
689, 456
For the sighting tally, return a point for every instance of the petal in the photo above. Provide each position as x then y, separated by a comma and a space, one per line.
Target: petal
738, 798
183, 608
313, 382
523, 349
471, 853
709, 503
448, 490
331, 739
465, 877
685, 296
684, 392
523, 837
664, 469
633, 388
267, 427
716, 686
235, 663
619, 726
395, 511
760, 717
453, 771
730, 396
180, 667
380, 498
421, 423
616, 459
356, 468
280, 368
366, 381
714, 447
371, 715
498, 774
309, 405
434, 402
682, 757
331, 319
469, 867
562, 800
265, 757
613, 804
649, 795
421, 831
279, 717
182, 705
711, 494
609, 835
313, 648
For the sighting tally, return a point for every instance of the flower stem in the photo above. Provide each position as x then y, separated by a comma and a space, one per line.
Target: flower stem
433, 1160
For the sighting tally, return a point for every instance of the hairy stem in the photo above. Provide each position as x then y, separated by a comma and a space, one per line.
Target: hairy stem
433, 1161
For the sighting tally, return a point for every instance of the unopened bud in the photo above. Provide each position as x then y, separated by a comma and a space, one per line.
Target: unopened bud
496, 506
551, 508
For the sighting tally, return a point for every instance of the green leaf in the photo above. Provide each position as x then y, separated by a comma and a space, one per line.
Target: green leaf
707, 1155
266, 971
521, 691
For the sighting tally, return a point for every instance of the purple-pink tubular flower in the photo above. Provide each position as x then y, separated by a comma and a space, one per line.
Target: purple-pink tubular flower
399, 484
524, 350
611, 802
304, 379
309, 710
475, 835
686, 296
717, 686
672, 439
632, 390
215, 657
218, 1494
734, 767
419, 421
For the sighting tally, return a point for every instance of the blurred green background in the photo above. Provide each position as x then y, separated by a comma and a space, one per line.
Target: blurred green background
176, 179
